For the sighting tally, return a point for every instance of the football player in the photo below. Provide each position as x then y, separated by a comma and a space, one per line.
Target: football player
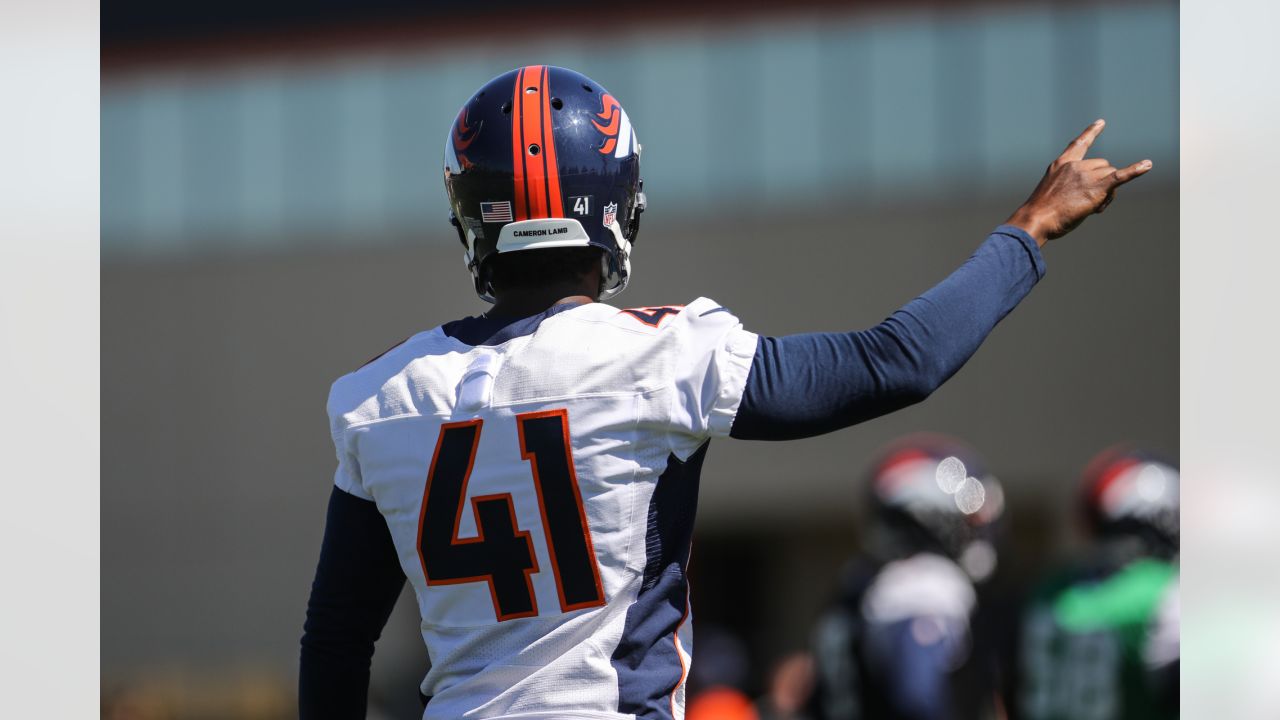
900, 642
1100, 638
532, 471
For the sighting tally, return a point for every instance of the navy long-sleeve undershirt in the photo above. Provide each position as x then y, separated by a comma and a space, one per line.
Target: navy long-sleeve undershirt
813, 383
356, 585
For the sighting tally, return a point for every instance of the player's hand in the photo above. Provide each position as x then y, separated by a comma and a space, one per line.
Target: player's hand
1072, 189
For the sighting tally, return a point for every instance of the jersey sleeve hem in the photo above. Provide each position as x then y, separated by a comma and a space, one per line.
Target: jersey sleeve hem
734, 366
344, 483
346, 476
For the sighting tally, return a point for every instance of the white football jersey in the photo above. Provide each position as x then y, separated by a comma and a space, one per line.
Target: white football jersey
540, 493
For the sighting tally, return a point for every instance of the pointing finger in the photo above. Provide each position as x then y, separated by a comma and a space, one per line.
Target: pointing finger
1124, 175
1080, 146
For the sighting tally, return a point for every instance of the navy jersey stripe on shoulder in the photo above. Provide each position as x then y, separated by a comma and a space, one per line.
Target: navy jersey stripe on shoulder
486, 330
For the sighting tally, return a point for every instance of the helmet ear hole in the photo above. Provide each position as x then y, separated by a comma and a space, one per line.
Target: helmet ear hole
557, 103
506, 108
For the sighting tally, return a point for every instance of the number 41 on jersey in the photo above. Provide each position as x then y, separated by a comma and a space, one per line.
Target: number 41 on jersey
502, 554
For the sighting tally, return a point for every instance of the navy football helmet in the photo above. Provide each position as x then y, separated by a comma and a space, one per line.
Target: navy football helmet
1129, 492
544, 157
934, 493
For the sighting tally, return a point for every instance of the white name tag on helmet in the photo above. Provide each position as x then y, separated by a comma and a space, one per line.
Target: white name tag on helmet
542, 233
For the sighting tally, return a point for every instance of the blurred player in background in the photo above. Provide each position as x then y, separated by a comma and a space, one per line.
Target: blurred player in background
901, 642
789, 688
1100, 638
716, 684
533, 470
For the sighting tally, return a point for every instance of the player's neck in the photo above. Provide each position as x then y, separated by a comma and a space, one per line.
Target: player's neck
524, 302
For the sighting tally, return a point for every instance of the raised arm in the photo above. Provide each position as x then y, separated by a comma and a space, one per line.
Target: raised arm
814, 383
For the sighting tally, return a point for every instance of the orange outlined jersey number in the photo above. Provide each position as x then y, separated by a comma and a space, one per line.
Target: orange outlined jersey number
653, 316
502, 554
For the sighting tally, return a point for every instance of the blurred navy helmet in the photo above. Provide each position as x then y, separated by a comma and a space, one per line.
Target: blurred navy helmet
1128, 492
934, 493
544, 157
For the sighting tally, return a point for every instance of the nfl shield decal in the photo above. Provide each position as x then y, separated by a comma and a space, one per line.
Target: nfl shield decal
610, 213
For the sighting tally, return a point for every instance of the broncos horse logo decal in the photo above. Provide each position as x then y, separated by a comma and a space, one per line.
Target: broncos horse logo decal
617, 128
463, 135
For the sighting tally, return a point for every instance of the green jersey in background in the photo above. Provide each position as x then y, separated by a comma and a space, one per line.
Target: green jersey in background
1102, 645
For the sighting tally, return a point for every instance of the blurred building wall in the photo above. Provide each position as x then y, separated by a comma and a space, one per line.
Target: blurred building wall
267, 228
343, 149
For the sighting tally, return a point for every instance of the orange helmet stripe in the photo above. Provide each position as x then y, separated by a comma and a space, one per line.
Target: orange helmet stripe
531, 133
555, 201
517, 148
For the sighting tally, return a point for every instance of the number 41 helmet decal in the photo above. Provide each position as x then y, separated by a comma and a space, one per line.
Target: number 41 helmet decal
544, 157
